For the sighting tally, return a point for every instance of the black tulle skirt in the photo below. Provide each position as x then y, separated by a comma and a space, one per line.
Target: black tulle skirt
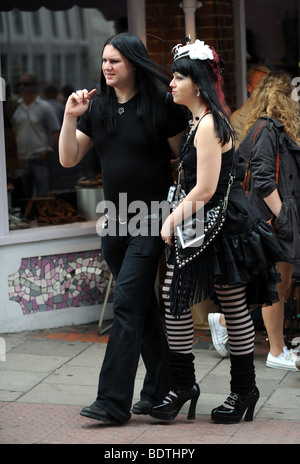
245, 253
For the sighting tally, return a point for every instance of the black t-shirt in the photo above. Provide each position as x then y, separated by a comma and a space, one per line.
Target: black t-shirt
132, 163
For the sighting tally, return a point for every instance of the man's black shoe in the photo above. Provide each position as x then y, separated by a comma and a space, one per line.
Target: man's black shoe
98, 413
142, 407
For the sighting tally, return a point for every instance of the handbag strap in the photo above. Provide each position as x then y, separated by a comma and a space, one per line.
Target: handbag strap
178, 188
226, 197
273, 217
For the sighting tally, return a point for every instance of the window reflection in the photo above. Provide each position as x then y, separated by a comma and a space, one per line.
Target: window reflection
36, 23
18, 22
45, 55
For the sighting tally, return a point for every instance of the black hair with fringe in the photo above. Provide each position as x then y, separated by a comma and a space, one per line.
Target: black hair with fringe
152, 80
208, 76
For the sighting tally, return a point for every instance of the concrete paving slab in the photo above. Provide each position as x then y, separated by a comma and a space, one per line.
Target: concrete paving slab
291, 380
31, 362
19, 381
61, 394
9, 396
75, 375
283, 415
47, 347
285, 398
92, 356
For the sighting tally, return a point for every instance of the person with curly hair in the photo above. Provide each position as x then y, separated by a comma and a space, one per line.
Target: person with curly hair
271, 148
254, 75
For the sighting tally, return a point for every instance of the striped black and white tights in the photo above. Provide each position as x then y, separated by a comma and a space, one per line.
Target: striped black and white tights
239, 327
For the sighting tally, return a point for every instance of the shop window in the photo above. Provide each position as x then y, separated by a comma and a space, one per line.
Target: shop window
36, 23
67, 24
57, 69
53, 23
1, 24
18, 22
40, 191
82, 25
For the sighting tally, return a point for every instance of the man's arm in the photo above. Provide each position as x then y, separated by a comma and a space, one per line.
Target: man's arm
73, 144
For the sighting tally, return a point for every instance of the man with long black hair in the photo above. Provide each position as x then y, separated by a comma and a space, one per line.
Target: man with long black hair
135, 128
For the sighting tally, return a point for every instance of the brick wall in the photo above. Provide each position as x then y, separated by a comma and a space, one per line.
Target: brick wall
214, 25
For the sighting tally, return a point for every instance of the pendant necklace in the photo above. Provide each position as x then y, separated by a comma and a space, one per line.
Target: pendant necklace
191, 124
129, 103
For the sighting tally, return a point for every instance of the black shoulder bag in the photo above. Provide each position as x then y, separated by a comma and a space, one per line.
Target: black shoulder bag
197, 232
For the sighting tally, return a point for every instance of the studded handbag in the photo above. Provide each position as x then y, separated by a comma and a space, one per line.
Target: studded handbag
197, 232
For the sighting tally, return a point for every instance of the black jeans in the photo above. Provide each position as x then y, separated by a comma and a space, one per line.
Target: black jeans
137, 326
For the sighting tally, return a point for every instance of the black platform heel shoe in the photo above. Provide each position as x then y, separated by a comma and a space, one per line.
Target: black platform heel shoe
233, 409
174, 401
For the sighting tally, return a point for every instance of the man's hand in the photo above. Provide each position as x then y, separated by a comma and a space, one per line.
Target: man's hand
78, 102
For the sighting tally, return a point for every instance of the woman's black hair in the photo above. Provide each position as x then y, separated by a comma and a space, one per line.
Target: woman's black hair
206, 74
151, 81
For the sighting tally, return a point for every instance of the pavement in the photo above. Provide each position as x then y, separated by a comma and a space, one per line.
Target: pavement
48, 376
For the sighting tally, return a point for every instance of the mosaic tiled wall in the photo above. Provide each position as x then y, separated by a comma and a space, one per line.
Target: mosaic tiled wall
46, 283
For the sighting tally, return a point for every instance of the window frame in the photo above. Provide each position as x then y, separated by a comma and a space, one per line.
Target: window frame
136, 24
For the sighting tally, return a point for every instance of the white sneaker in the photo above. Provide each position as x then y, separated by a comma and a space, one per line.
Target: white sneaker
219, 334
286, 360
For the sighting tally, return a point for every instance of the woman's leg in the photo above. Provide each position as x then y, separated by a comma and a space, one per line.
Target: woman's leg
180, 331
244, 394
273, 316
241, 337
180, 335
183, 381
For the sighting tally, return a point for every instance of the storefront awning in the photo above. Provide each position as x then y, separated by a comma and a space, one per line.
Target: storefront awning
56, 5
